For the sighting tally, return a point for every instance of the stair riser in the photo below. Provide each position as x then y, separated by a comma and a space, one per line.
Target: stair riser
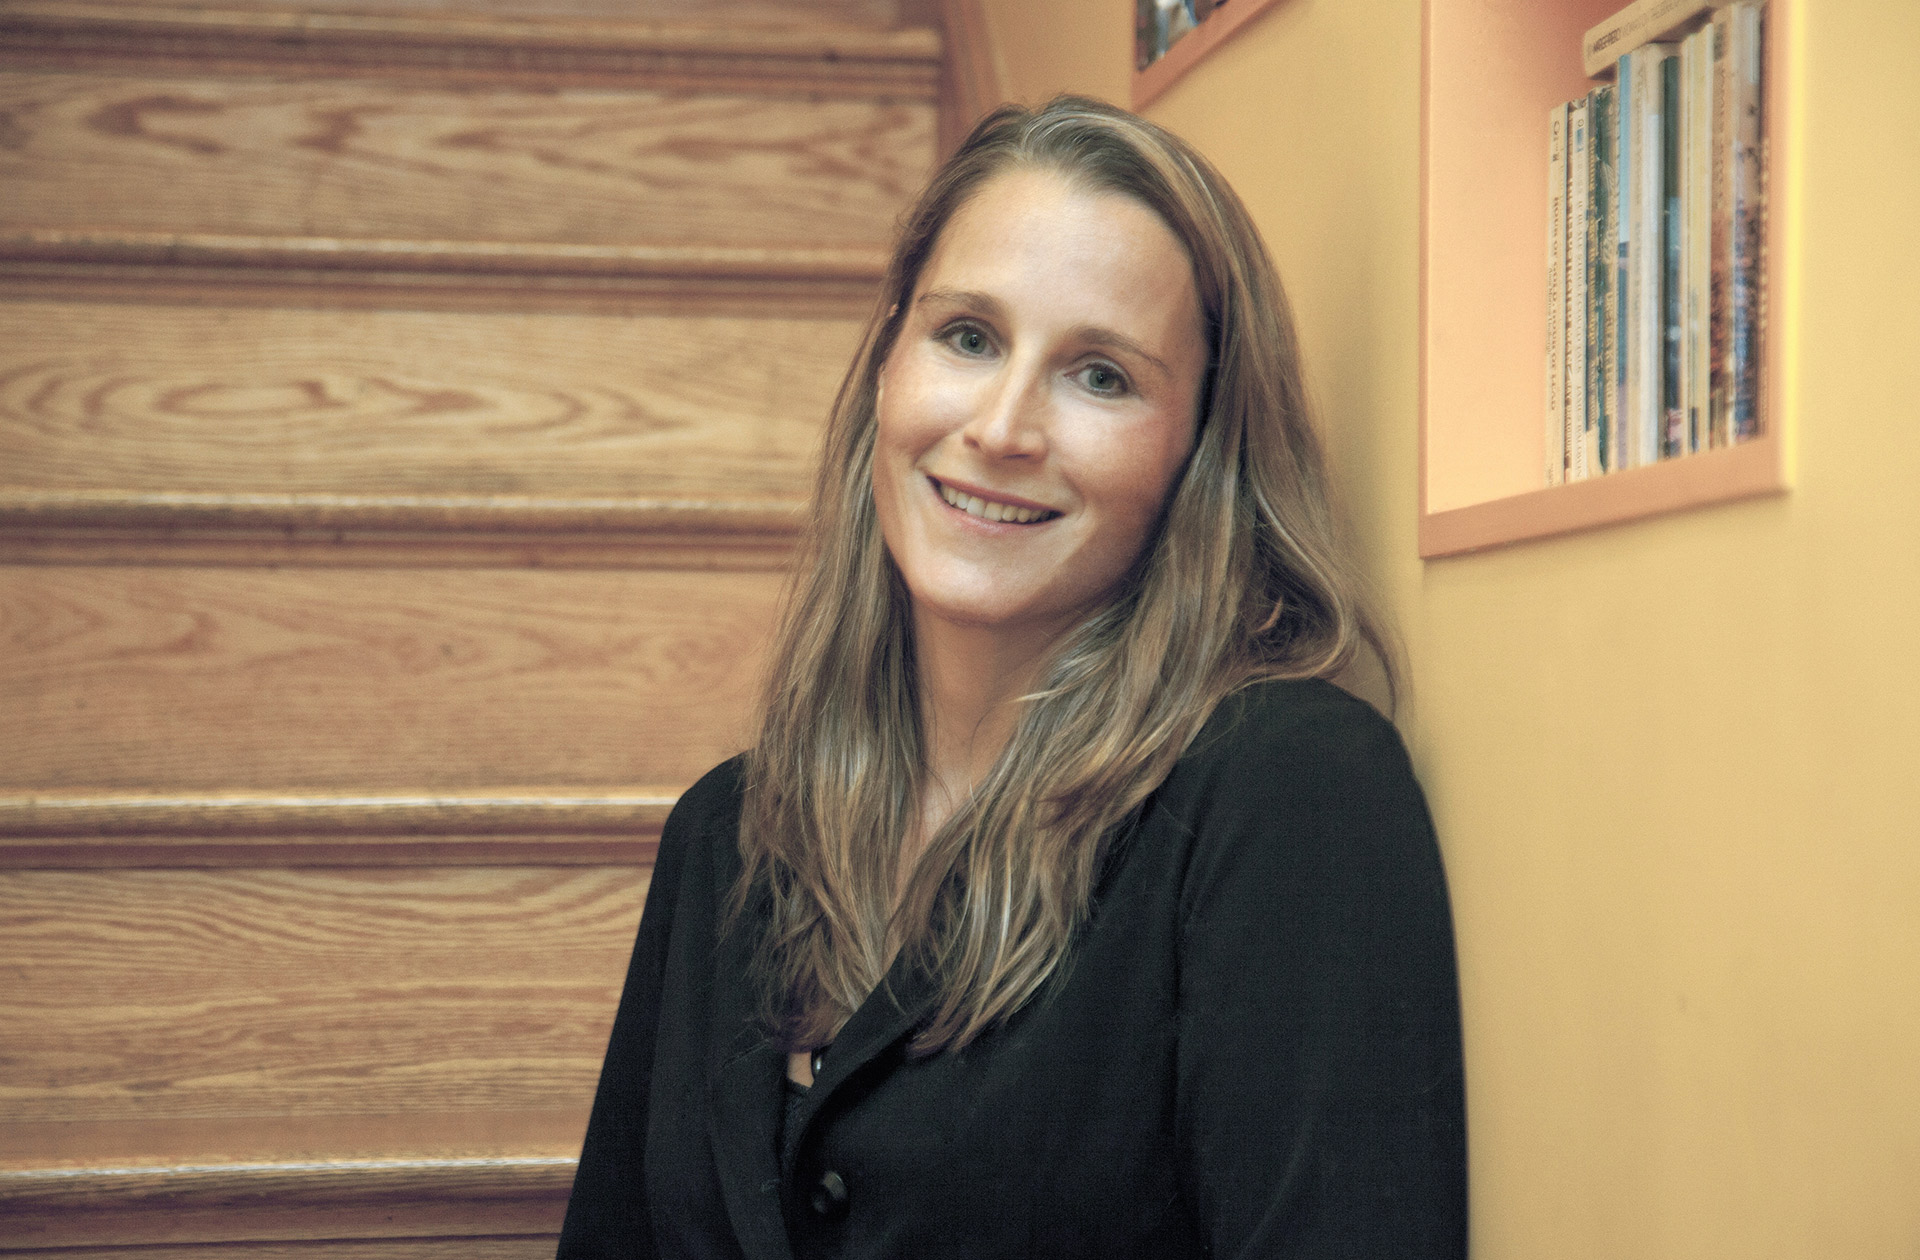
243, 401
322, 158
308, 992
193, 678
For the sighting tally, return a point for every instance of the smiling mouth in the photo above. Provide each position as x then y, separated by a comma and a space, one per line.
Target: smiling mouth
991, 509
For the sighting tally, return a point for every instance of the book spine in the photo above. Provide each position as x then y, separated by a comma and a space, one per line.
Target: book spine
1762, 278
1578, 138
1640, 23
1647, 319
1698, 97
1747, 219
1553, 436
1601, 259
1689, 297
1720, 233
1673, 253
1625, 285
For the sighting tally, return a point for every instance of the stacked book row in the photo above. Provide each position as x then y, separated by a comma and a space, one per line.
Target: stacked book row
1656, 212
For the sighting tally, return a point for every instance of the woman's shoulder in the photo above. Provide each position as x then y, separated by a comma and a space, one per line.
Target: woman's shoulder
704, 824
715, 795
1299, 725
1294, 766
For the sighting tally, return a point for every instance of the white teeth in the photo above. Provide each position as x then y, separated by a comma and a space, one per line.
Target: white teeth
987, 509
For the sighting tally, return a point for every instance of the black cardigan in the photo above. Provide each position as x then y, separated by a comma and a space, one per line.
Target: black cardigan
1253, 1050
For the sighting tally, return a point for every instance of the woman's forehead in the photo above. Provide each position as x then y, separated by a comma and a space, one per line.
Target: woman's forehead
1036, 235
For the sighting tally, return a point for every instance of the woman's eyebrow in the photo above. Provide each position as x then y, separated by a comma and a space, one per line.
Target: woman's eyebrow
985, 303
1112, 340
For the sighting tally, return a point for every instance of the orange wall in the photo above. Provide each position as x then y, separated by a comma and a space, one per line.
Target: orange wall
1673, 763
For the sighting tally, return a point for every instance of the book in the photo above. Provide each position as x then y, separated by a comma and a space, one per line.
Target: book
1673, 252
1697, 99
1553, 435
1602, 204
1576, 285
1643, 22
1623, 171
1642, 175
1747, 209
1647, 287
1720, 233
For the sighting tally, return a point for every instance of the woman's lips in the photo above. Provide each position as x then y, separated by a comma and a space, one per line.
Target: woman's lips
987, 506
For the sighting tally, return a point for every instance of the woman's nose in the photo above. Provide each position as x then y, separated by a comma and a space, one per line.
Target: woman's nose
1009, 420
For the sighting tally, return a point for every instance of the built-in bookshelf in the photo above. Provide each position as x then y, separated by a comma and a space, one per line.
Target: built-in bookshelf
1493, 69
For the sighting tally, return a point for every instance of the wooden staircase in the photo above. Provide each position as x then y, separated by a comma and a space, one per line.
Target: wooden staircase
404, 418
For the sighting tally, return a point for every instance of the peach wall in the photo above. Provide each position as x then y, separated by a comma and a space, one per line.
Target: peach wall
1672, 762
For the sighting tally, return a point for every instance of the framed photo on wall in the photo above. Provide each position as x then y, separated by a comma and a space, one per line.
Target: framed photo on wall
1171, 36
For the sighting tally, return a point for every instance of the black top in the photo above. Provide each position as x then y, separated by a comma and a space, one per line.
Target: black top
1254, 1049
788, 1137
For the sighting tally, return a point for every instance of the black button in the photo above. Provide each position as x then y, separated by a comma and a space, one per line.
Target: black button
829, 1197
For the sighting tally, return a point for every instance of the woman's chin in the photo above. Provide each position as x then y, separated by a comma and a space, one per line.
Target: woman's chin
995, 615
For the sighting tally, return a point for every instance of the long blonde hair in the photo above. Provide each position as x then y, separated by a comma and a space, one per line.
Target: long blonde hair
1242, 582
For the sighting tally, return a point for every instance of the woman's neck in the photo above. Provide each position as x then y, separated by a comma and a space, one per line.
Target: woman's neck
970, 681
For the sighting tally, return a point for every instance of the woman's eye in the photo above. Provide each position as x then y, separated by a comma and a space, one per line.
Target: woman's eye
1103, 378
969, 340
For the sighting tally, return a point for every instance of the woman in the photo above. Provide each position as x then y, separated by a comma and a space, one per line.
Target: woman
1061, 909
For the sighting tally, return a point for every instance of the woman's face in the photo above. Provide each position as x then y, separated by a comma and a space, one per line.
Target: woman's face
1038, 404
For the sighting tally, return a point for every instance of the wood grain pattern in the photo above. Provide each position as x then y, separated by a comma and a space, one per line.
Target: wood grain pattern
314, 1202
733, 13
972, 78
412, 1140
50, 830
161, 510
329, 1178
117, 527
394, 405
205, 268
442, 1227
611, 292
373, 680
182, 399
380, 160
340, 992
360, 1181
698, 50
192, 547
514, 1247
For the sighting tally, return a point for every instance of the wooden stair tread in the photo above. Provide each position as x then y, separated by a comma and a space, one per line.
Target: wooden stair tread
96, 527
499, 810
42, 830
519, 514
55, 1159
286, 1177
862, 13
712, 262
318, 24
828, 279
